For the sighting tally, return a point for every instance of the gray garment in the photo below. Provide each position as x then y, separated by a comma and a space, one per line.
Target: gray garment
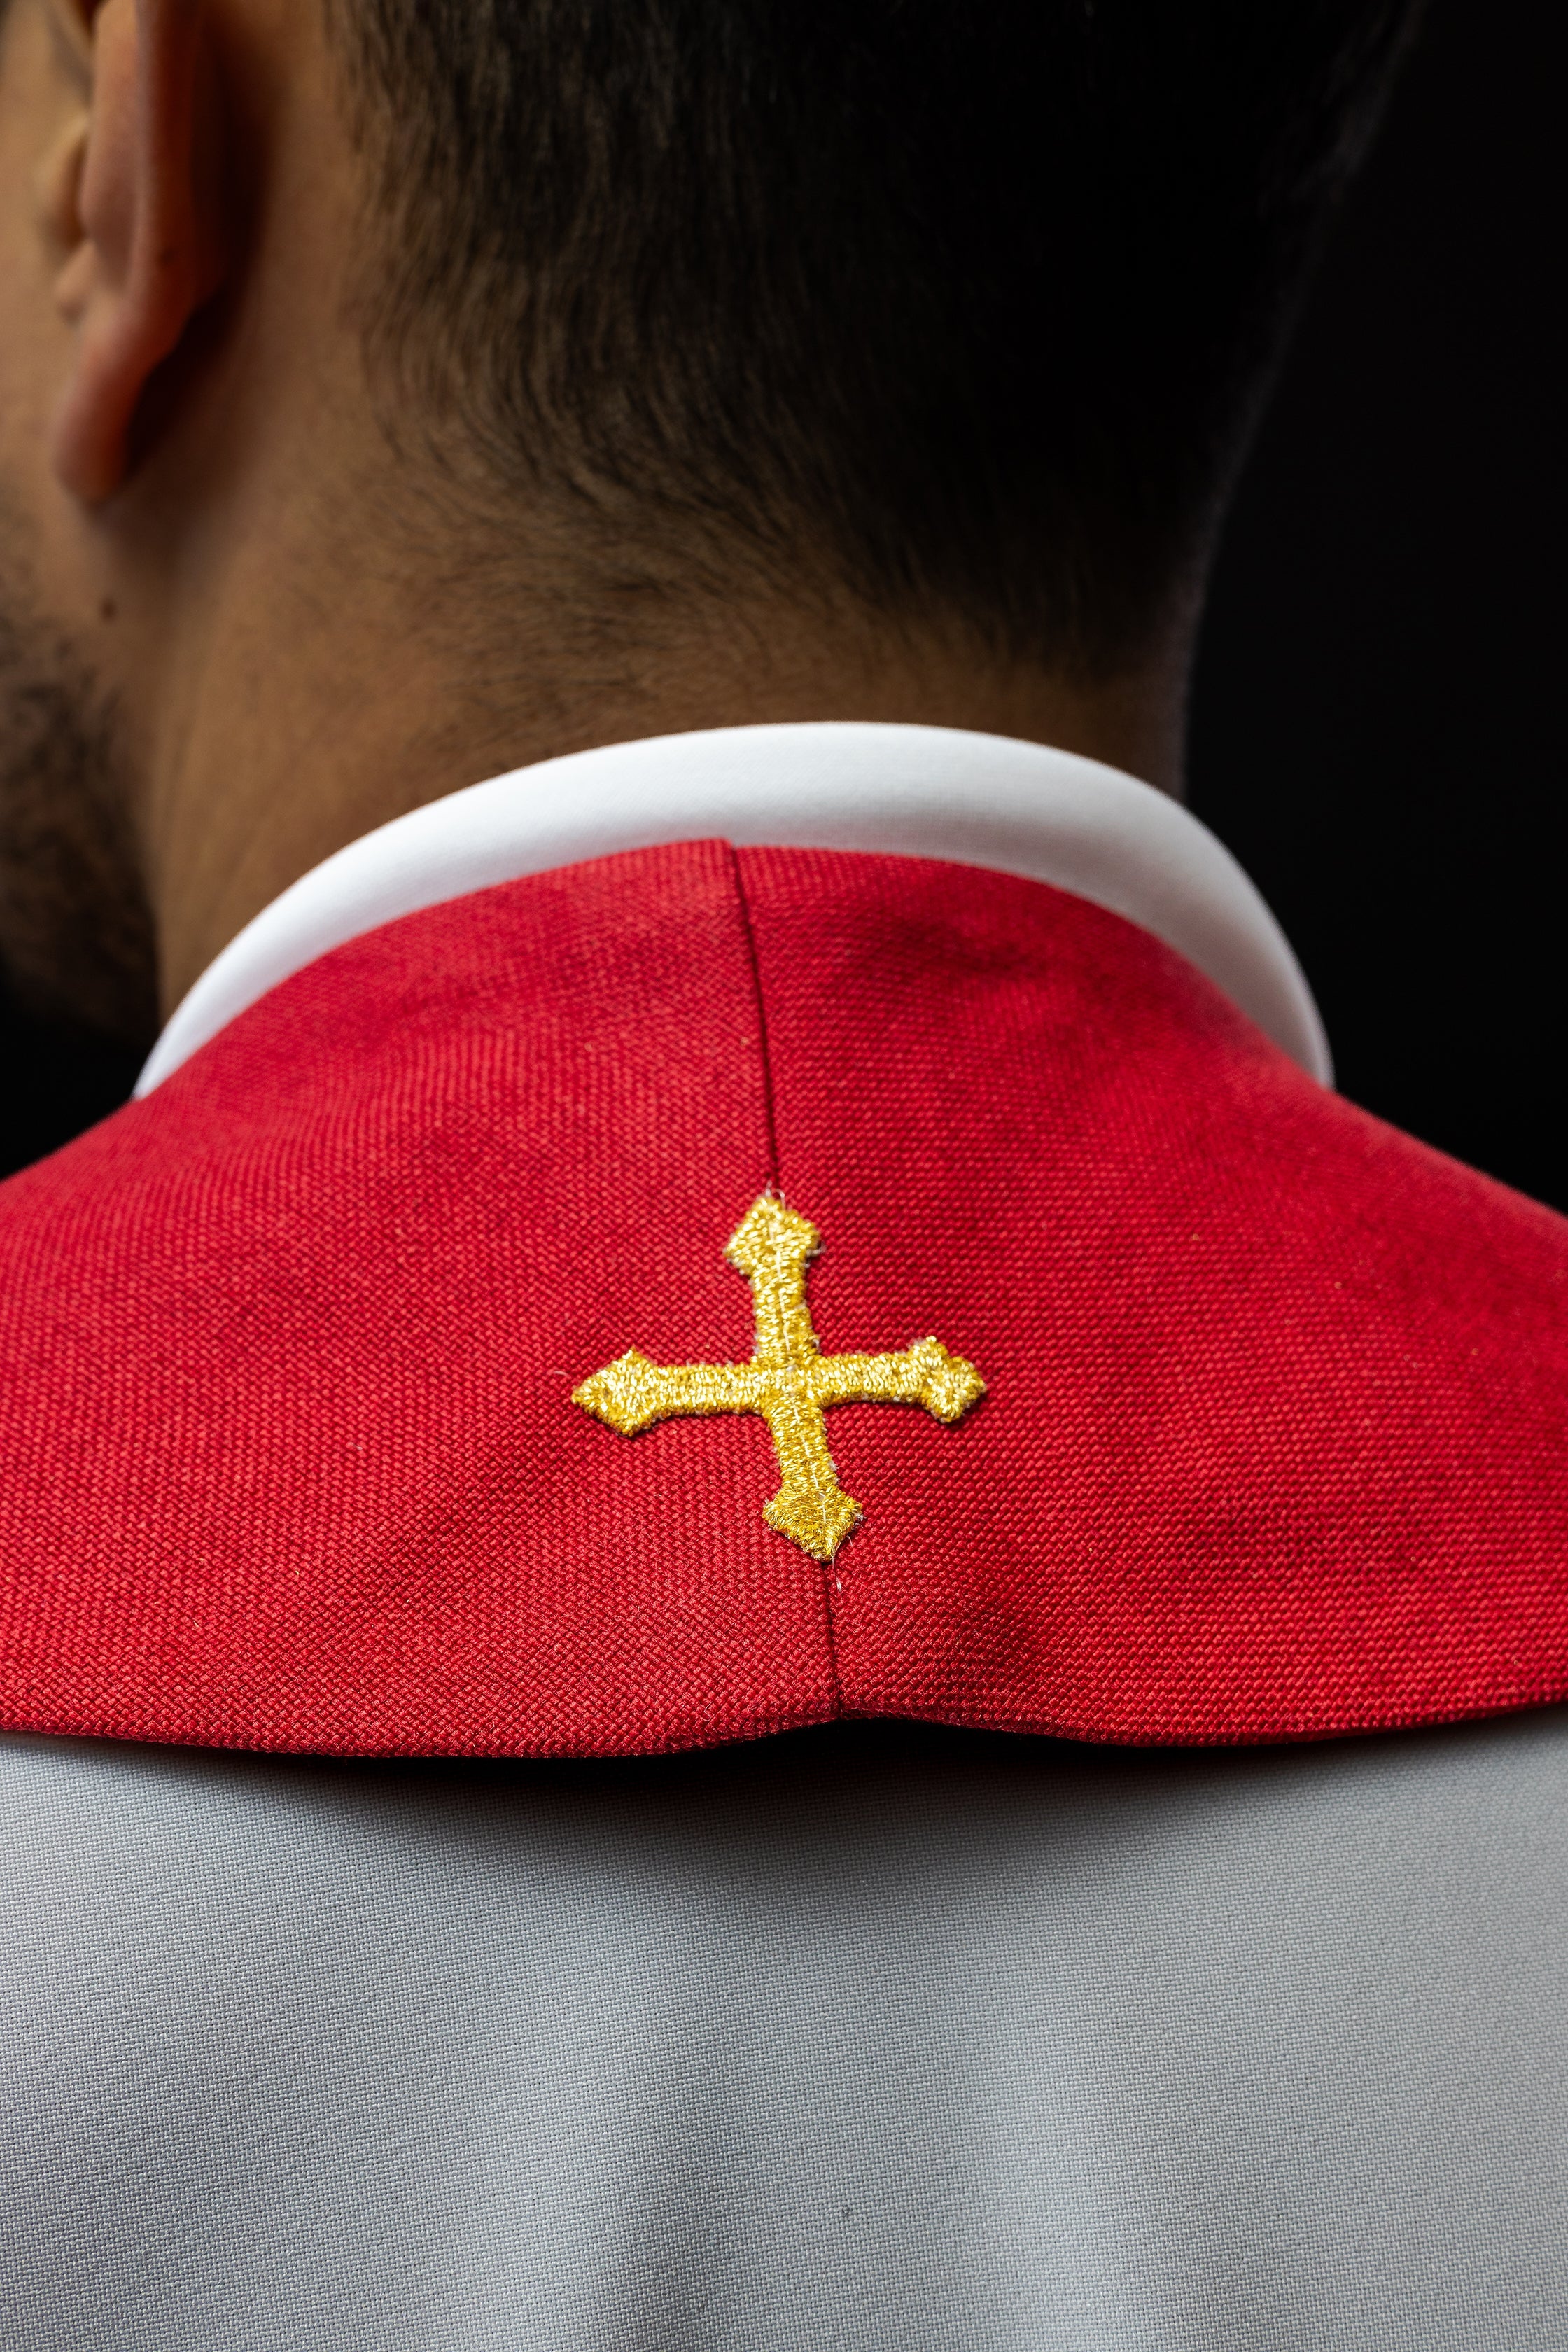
892, 2044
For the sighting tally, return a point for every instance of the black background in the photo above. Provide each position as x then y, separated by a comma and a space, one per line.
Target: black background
1379, 729
1378, 726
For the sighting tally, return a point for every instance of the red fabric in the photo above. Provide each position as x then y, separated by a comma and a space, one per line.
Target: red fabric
1274, 1441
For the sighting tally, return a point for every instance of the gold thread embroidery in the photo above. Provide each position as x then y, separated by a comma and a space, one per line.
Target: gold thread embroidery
788, 1380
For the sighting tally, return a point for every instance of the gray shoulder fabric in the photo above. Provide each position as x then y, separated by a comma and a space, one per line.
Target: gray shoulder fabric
826, 2046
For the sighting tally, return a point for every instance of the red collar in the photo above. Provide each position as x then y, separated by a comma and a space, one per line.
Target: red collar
1273, 1437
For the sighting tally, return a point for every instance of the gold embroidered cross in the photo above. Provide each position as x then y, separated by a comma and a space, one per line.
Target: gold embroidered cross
788, 1380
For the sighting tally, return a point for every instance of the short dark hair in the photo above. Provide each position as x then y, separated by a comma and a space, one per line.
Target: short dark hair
965, 303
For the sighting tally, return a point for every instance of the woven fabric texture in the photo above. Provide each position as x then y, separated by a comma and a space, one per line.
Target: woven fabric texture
1273, 1442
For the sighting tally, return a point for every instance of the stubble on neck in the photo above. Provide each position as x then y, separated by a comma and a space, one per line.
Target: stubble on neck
76, 935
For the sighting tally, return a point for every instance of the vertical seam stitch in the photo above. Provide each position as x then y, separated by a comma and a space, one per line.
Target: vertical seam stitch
775, 1179
770, 1109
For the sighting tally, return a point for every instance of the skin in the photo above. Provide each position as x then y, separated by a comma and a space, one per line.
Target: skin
208, 543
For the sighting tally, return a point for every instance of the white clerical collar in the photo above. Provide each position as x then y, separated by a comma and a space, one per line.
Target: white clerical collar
914, 792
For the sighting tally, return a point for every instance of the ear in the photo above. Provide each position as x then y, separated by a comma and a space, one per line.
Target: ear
146, 235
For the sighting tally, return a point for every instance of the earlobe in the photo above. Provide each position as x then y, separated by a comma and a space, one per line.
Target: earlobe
145, 240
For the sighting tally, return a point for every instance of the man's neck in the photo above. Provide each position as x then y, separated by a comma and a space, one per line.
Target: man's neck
262, 785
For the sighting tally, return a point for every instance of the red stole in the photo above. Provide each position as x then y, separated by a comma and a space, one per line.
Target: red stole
1274, 1441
